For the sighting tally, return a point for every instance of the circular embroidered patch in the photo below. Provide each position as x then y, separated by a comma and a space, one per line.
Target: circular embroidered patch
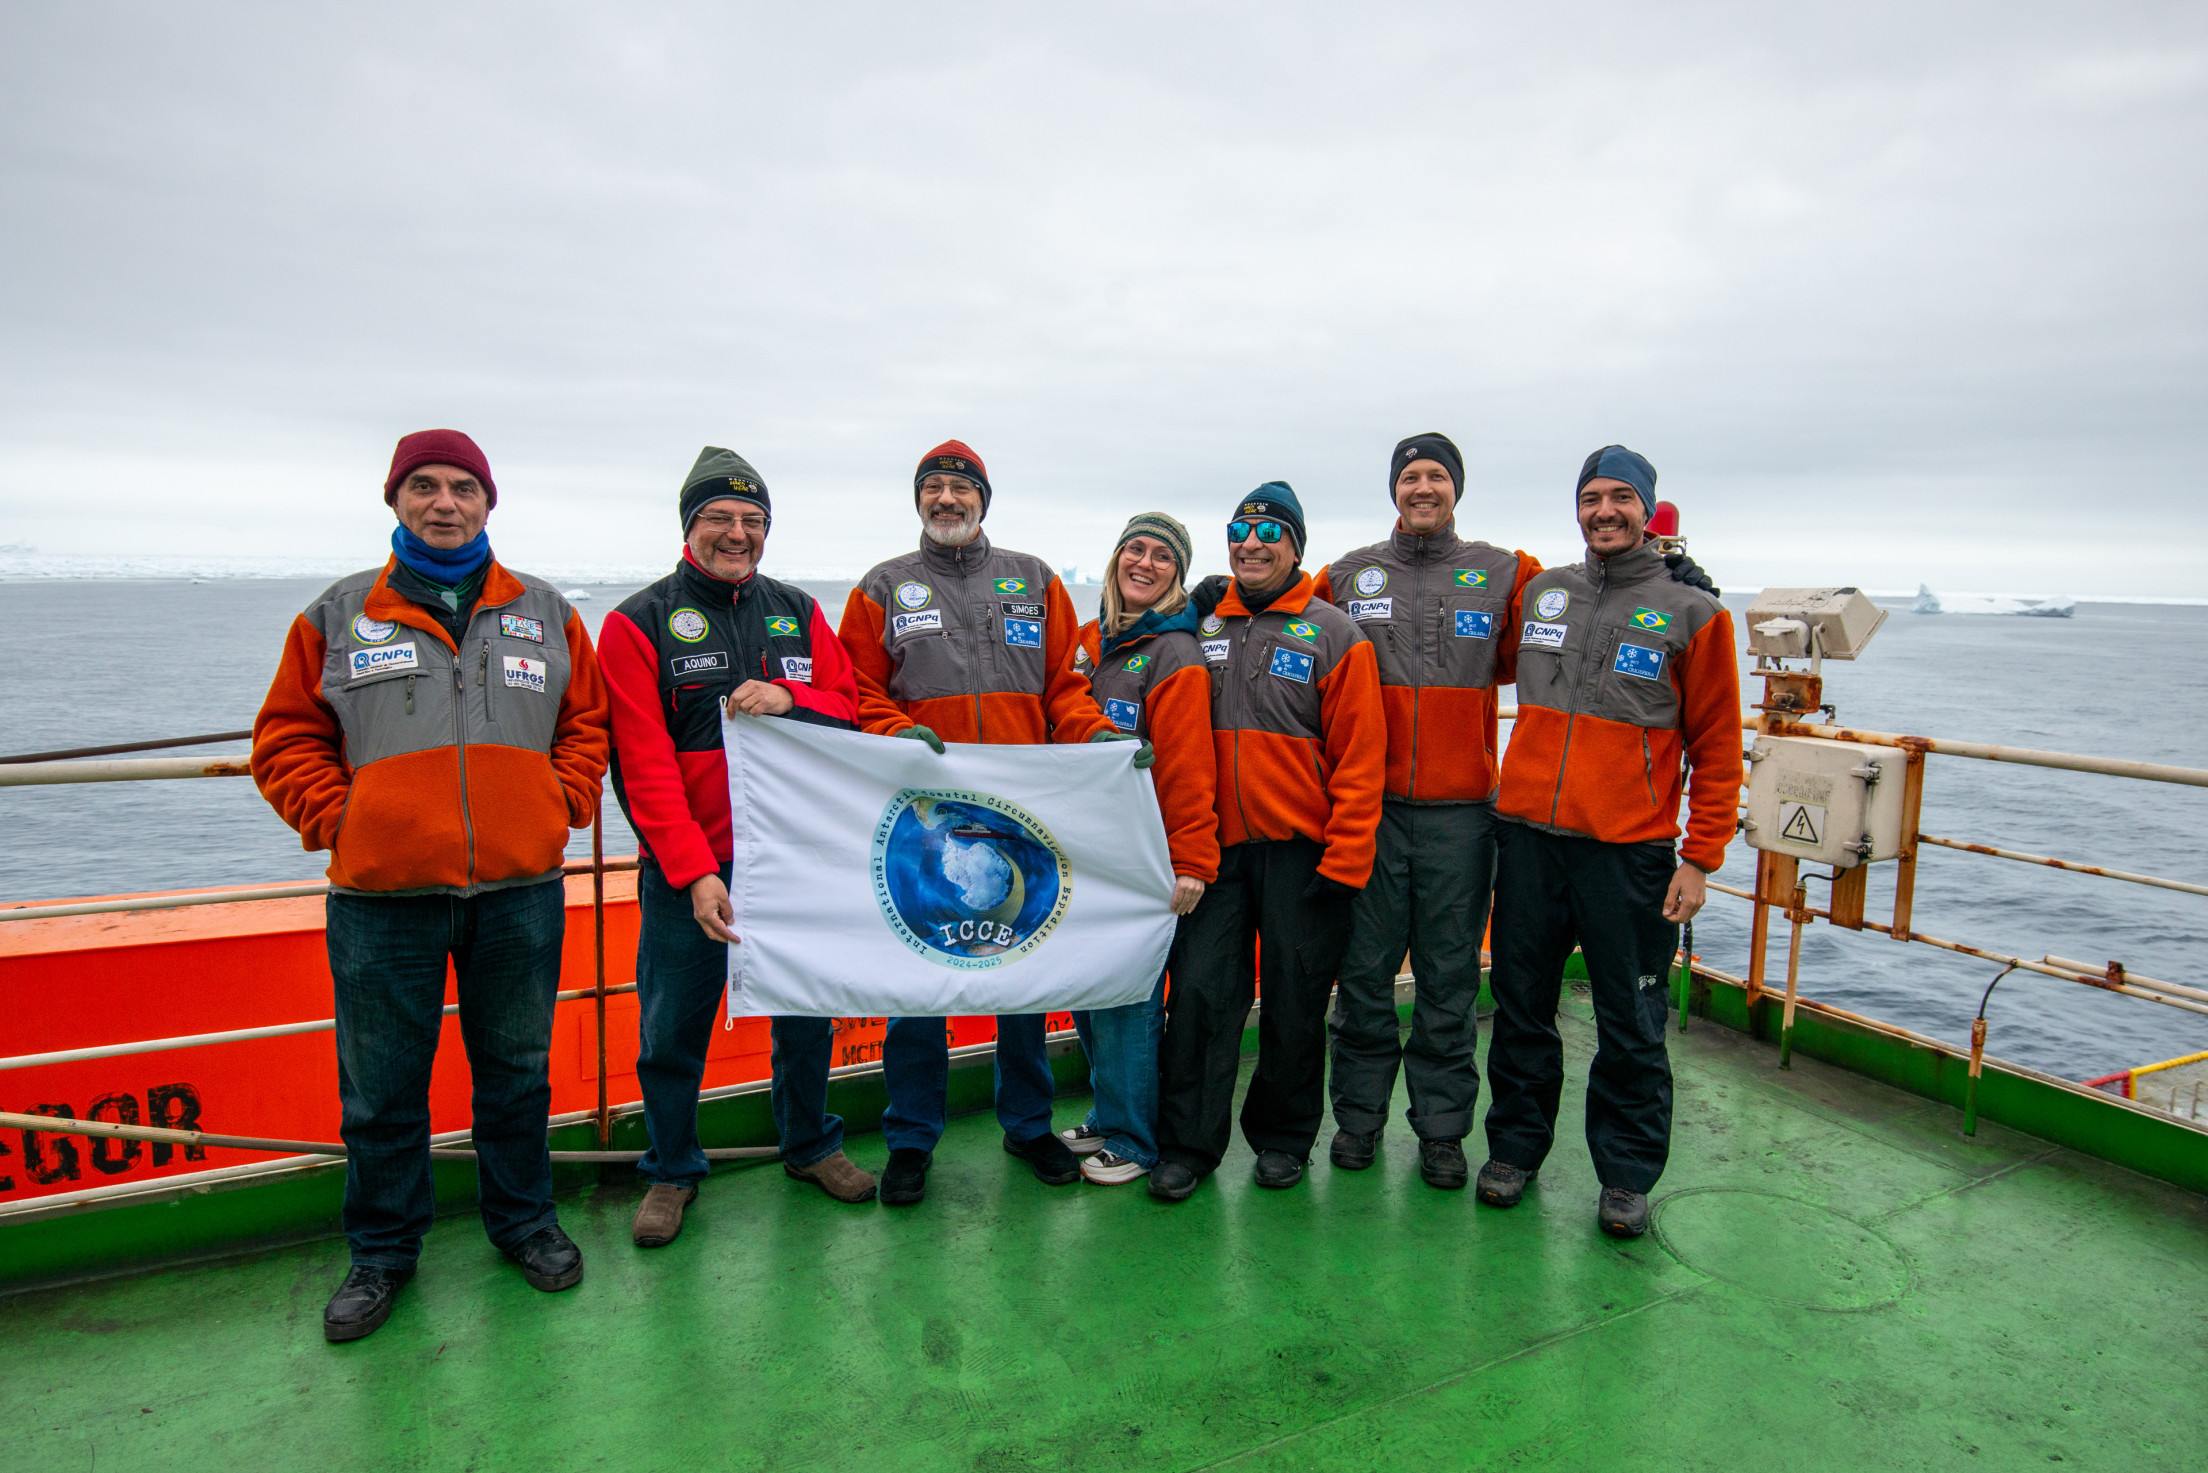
687, 625
373, 631
914, 595
1551, 603
1371, 580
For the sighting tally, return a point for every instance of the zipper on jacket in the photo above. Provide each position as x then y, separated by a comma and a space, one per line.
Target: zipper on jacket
460, 759
1648, 768
1242, 650
1418, 664
483, 673
1571, 717
410, 695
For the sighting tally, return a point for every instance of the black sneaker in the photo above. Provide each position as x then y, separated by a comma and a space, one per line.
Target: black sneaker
1623, 1214
1278, 1169
1501, 1184
1083, 1140
1172, 1181
905, 1178
363, 1302
1443, 1165
1048, 1158
1353, 1150
549, 1259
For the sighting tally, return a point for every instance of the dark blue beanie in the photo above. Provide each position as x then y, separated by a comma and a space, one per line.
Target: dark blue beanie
1275, 500
1616, 463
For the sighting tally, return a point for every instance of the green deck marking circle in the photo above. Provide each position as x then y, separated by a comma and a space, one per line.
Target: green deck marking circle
1782, 1248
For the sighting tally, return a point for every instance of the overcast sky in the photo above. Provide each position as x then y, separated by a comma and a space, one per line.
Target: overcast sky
1887, 292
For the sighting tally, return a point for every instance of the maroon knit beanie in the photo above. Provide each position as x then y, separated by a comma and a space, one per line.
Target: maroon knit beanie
438, 447
953, 458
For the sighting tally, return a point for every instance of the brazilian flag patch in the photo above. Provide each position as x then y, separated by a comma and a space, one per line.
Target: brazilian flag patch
1136, 663
1308, 633
1471, 578
783, 625
1650, 619
1011, 585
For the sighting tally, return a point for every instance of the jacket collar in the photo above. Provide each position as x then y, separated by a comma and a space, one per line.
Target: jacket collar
1148, 627
706, 588
393, 607
1440, 542
962, 561
1292, 600
1638, 566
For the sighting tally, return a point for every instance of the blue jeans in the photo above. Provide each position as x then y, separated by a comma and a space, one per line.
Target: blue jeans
387, 966
916, 1068
681, 977
1122, 1045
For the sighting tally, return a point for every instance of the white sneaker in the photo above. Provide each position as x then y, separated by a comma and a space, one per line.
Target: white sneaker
1082, 1141
1108, 1170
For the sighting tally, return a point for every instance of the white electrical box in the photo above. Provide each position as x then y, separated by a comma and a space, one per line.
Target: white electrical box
1799, 623
1833, 803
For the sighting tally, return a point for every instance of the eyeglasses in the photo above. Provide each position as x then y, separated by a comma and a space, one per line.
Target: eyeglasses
719, 522
1266, 531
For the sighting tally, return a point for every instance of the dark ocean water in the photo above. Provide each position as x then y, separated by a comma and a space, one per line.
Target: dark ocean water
98, 661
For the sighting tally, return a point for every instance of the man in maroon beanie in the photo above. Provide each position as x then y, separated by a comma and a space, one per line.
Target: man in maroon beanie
439, 725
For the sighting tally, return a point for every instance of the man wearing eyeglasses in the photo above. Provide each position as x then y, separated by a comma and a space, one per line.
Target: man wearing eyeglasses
714, 633
1302, 752
963, 641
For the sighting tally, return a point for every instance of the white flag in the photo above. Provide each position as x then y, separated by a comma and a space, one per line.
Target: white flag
873, 876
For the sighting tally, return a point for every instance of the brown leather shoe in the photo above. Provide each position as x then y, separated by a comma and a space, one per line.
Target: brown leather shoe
659, 1216
836, 1176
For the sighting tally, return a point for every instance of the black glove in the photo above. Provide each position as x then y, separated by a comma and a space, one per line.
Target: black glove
1207, 594
1323, 891
1686, 570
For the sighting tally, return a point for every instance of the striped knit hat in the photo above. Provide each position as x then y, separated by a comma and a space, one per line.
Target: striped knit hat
1157, 524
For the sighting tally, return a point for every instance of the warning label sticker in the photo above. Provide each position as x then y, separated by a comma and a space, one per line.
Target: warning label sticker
1802, 823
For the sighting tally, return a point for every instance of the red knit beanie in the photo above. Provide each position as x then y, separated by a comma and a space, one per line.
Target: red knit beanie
438, 447
953, 458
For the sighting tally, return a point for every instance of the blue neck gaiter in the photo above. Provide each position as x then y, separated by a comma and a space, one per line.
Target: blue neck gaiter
437, 564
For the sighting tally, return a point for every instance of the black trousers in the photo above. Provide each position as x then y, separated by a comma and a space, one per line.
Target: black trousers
1551, 889
1259, 896
1432, 874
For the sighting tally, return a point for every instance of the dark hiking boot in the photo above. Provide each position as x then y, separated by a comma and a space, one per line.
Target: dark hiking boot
1353, 1150
549, 1259
1278, 1169
658, 1219
1443, 1165
1501, 1184
905, 1178
1048, 1158
1623, 1214
363, 1302
1172, 1181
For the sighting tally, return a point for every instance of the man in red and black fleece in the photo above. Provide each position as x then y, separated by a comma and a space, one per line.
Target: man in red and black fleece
715, 631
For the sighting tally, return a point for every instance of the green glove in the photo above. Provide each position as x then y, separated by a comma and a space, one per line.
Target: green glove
923, 734
1143, 758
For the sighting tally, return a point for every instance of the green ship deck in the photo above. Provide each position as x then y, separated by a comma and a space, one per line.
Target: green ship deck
1837, 1279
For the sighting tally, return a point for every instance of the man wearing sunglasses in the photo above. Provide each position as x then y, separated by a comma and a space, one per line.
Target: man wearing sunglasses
715, 632
1627, 684
1302, 748
960, 640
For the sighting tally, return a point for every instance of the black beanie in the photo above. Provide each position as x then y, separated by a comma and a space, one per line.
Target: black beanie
718, 475
1427, 447
1274, 501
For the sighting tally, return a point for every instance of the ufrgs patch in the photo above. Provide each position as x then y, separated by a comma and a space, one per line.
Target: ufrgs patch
523, 673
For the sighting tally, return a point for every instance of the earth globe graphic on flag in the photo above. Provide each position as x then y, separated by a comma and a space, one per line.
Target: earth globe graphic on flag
966, 879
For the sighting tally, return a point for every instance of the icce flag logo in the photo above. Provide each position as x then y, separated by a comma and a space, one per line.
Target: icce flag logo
967, 880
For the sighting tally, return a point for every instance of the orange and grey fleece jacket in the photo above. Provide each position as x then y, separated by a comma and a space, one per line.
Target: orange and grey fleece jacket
1442, 614
1301, 740
426, 766
974, 643
1627, 682
1156, 686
